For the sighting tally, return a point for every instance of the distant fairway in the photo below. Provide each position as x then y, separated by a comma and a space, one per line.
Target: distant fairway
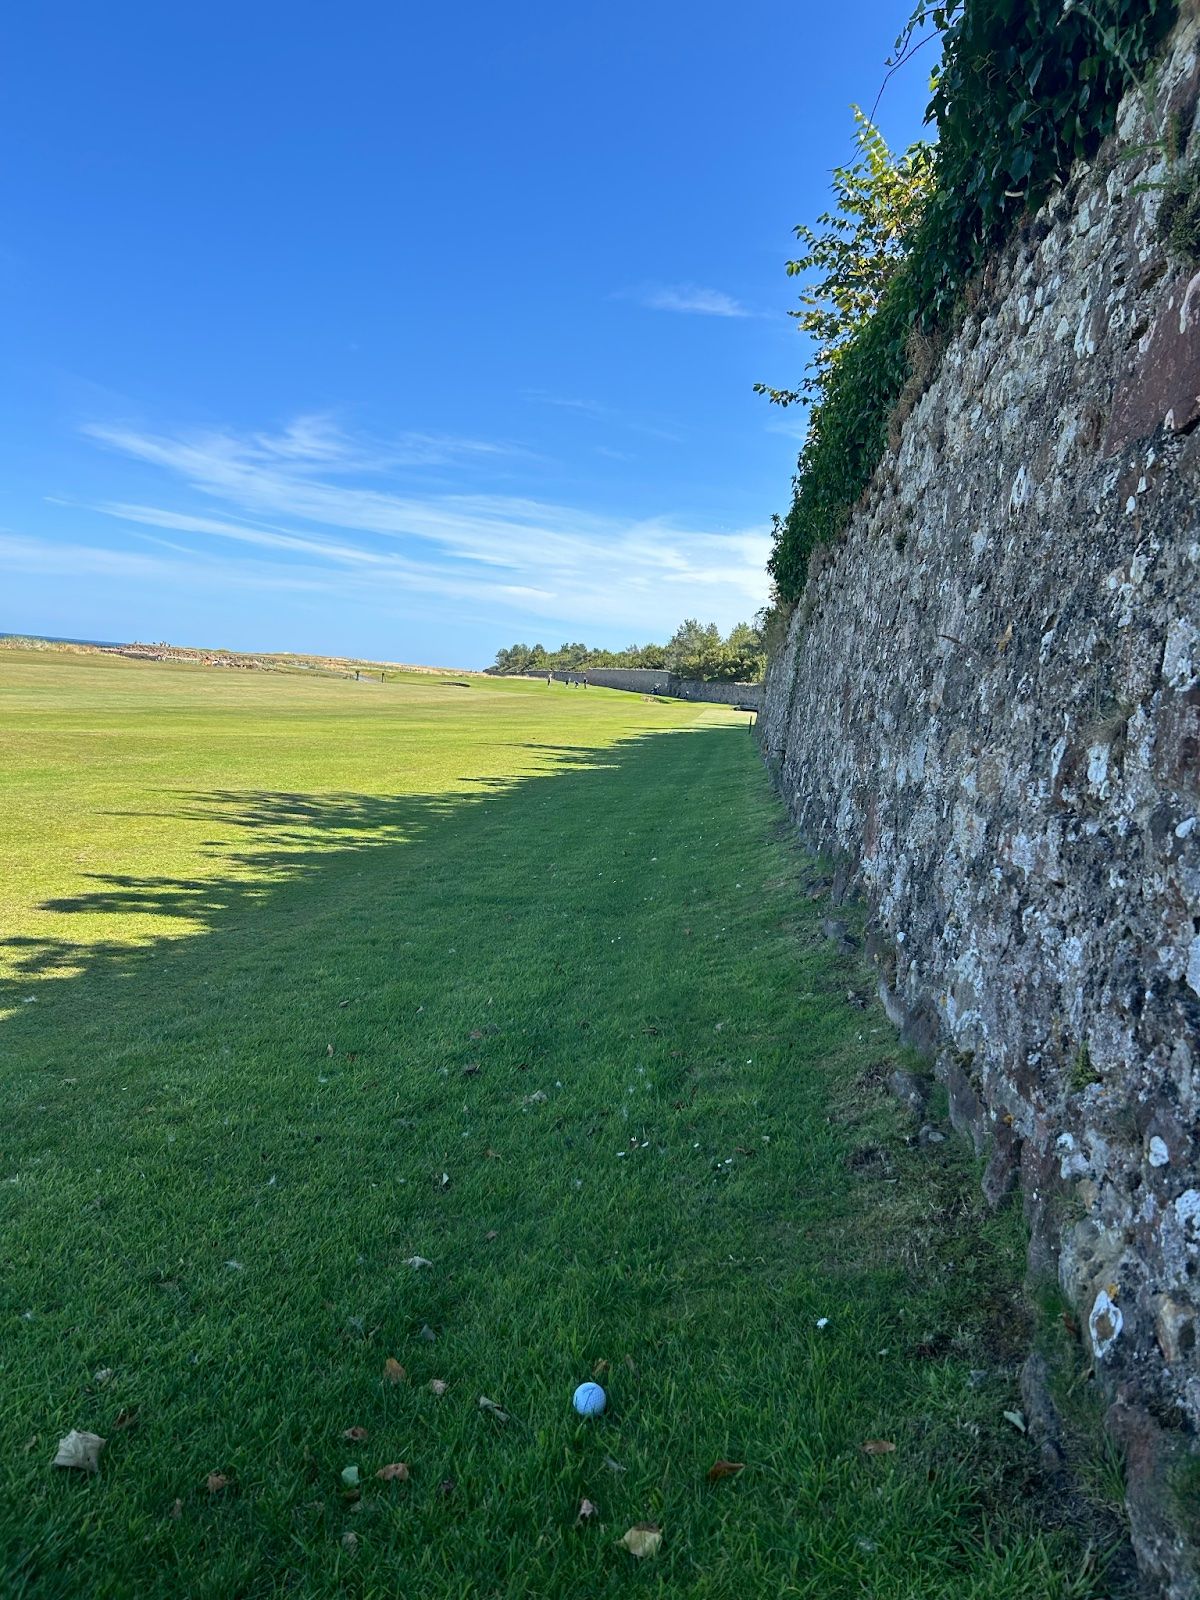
305, 979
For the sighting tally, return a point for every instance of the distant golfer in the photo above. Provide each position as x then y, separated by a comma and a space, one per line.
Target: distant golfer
549, 679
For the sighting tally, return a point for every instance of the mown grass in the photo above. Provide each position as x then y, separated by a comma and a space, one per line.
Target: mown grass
313, 956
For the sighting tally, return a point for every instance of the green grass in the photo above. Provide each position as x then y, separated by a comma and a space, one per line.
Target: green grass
267, 924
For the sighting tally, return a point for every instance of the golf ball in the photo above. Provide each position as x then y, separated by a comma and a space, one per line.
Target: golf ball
590, 1400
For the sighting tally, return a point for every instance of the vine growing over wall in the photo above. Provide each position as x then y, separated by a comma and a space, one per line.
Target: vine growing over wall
1025, 88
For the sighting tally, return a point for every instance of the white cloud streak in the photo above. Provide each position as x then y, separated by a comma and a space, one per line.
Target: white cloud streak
690, 299
299, 502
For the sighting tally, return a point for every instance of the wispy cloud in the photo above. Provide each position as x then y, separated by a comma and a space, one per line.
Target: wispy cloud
689, 298
315, 502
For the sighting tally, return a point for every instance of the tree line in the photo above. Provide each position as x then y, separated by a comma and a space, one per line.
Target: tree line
694, 650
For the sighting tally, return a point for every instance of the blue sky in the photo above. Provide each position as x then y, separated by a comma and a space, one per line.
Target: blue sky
407, 330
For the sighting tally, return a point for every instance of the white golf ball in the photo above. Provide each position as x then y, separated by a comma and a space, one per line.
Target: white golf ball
590, 1400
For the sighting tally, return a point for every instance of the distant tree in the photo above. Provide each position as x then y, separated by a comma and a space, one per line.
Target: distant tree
746, 653
695, 650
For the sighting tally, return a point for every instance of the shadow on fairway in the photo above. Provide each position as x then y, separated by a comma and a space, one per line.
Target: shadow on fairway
277, 841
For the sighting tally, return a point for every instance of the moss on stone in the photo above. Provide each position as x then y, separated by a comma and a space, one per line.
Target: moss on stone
1179, 214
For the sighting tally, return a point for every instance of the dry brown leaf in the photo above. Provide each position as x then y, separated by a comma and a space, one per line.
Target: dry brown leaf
438, 1386
80, 1450
643, 1539
877, 1447
394, 1472
587, 1510
355, 1435
393, 1372
1005, 639
600, 1368
215, 1482
492, 1155
724, 1469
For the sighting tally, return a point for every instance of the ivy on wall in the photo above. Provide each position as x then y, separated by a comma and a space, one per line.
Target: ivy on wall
1025, 89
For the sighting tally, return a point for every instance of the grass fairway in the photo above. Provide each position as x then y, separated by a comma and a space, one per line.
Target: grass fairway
328, 977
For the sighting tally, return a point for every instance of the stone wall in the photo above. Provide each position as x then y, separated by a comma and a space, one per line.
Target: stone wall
988, 713
644, 680
723, 694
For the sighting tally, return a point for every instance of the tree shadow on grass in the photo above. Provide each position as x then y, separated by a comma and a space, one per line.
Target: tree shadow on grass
277, 840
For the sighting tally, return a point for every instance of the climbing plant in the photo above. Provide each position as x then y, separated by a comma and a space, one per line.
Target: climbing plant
1024, 89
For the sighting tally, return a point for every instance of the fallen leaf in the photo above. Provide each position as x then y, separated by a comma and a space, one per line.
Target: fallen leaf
472, 1069
350, 1476
630, 1364
490, 1406
355, 1435
418, 1261
724, 1469
586, 1511
491, 1234
742, 1150
215, 1482
329, 1049
1005, 639
613, 1466
176, 1511
476, 1033
643, 1539
444, 1181
1017, 1418
80, 1450
102, 1375
537, 1098
31, 1442
447, 1487
427, 1334
350, 1541
600, 1368
342, 1004
393, 1372
877, 1447
394, 1472
438, 1386
492, 1155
